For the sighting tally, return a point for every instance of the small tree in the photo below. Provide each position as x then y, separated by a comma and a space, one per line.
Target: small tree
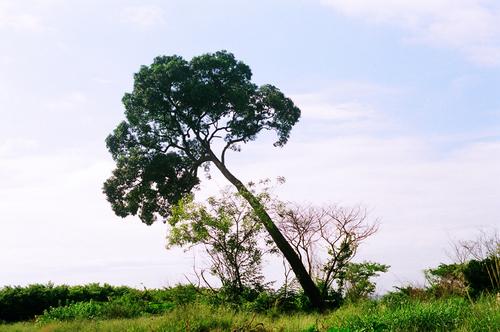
183, 115
358, 283
230, 233
477, 267
447, 279
482, 256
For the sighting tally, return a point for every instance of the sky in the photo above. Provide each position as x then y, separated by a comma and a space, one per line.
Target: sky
400, 112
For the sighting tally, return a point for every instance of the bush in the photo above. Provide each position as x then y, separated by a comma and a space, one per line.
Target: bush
180, 294
79, 310
25, 303
474, 278
483, 276
126, 306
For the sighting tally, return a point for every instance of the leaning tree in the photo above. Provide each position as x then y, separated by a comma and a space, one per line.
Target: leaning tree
185, 115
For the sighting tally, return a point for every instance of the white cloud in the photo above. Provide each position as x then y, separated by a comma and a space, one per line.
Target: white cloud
15, 18
17, 145
6, 60
68, 103
341, 118
143, 16
102, 80
339, 112
347, 106
349, 90
469, 26
319, 106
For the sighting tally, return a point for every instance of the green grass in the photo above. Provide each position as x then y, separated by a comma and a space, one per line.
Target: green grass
188, 318
439, 315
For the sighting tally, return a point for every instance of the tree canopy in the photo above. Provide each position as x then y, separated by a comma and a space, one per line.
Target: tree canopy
182, 115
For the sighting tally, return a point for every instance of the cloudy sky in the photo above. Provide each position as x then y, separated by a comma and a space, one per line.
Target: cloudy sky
400, 112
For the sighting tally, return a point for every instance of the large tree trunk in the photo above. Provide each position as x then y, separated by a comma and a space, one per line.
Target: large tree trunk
305, 280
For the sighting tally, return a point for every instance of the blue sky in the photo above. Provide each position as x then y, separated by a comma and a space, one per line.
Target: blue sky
400, 112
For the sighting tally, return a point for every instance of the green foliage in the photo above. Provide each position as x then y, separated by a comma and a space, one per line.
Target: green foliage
126, 306
277, 302
174, 115
397, 299
357, 280
447, 280
79, 310
474, 277
414, 316
24, 303
180, 294
453, 314
230, 231
483, 276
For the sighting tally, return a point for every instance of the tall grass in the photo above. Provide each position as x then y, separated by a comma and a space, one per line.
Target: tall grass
438, 315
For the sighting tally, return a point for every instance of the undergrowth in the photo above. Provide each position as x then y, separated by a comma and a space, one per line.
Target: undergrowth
454, 314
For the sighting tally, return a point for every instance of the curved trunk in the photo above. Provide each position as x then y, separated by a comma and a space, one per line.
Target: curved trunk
305, 280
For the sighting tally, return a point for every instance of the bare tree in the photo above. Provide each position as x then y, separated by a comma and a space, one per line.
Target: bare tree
325, 238
484, 249
486, 244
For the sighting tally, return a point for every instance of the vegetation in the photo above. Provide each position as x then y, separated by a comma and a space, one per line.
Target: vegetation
326, 239
475, 272
453, 301
406, 314
230, 232
357, 280
26, 303
182, 116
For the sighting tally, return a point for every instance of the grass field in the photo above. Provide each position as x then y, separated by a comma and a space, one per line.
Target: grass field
456, 314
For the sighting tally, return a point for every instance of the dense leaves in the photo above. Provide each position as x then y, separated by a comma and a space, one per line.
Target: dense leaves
25, 303
22, 303
175, 115
483, 276
474, 277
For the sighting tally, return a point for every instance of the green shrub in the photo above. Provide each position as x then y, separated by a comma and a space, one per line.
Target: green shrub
483, 276
180, 294
474, 278
158, 308
79, 310
403, 296
25, 303
126, 306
